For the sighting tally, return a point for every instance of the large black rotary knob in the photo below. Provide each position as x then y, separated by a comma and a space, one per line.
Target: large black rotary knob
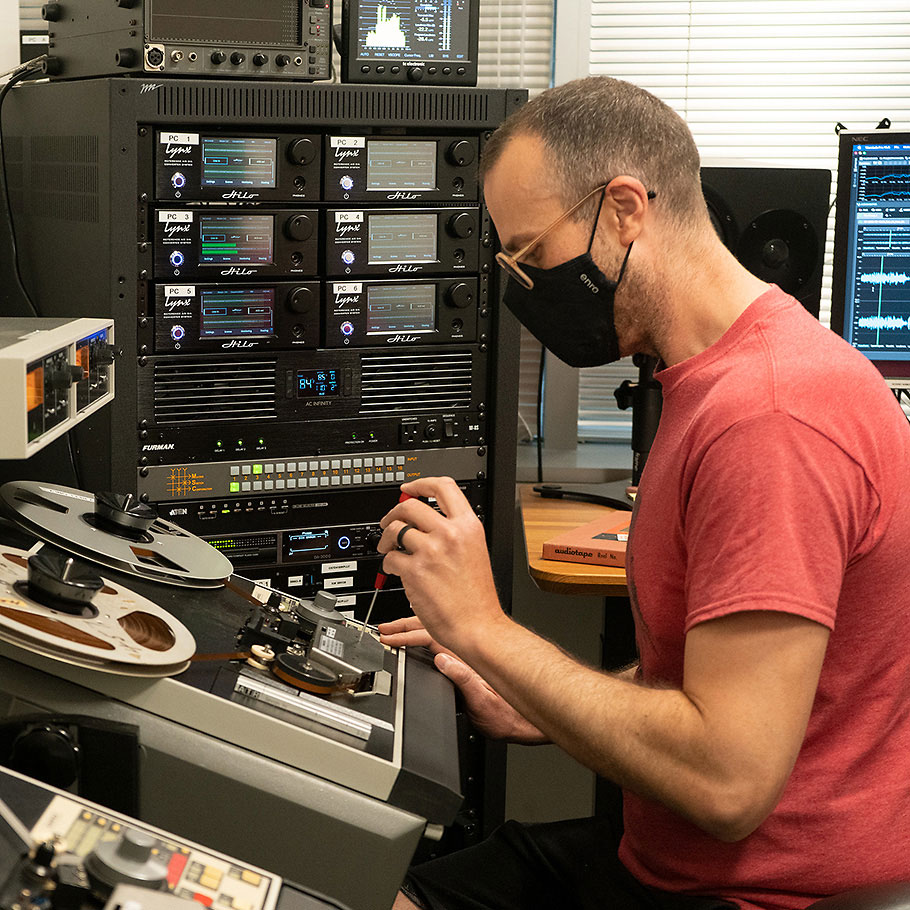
301, 300
460, 153
461, 225
48, 753
301, 151
298, 227
459, 295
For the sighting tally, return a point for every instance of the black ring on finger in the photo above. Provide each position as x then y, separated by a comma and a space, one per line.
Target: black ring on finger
400, 537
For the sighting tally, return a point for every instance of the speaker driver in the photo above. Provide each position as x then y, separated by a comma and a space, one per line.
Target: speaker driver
782, 247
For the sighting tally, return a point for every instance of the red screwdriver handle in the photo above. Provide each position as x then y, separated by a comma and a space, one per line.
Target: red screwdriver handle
381, 577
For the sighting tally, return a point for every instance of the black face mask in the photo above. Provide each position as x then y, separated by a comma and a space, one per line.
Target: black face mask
570, 309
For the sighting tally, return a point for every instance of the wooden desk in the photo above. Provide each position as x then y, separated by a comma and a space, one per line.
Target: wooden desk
545, 518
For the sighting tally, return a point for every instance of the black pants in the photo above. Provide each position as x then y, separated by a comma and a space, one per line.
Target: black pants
569, 865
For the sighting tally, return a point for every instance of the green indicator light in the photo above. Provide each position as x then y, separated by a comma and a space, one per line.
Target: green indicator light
219, 444
257, 468
225, 511
240, 442
235, 487
261, 441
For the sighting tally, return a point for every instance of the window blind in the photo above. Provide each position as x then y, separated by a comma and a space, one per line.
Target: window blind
516, 51
759, 82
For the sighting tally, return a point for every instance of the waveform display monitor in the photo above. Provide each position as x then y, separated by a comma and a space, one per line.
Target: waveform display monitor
230, 161
237, 313
410, 40
870, 304
236, 239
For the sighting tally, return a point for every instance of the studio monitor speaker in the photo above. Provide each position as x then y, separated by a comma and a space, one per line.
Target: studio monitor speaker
774, 221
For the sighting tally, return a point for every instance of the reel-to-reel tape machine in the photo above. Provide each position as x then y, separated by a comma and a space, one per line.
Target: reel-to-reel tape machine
255, 710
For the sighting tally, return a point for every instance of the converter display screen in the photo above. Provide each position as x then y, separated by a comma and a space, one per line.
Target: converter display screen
229, 161
226, 21
317, 383
236, 239
401, 309
413, 29
237, 313
401, 165
402, 238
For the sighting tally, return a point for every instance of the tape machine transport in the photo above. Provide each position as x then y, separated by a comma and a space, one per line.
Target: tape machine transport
256, 710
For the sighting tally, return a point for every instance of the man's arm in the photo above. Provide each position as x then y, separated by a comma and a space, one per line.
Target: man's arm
718, 751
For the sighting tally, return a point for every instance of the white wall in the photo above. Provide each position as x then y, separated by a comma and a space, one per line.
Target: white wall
9, 34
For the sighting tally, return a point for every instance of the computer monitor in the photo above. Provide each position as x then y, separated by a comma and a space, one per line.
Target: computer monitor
400, 42
870, 303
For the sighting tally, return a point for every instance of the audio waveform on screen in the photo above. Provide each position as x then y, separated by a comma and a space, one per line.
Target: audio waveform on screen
882, 322
388, 31
885, 278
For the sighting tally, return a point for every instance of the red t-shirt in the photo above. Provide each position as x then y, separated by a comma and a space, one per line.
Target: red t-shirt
780, 480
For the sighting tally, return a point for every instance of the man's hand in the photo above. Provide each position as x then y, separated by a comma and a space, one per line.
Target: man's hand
491, 714
406, 631
444, 566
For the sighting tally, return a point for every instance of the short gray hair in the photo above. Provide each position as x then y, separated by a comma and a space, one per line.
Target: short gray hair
598, 128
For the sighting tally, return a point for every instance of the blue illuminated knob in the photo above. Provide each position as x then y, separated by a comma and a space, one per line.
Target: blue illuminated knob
178, 332
347, 328
347, 257
346, 183
177, 259
344, 543
178, 181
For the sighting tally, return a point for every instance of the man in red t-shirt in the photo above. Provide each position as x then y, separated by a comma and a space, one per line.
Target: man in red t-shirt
762, 744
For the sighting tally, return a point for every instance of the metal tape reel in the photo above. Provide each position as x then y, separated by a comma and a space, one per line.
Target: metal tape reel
69, 519
122, 633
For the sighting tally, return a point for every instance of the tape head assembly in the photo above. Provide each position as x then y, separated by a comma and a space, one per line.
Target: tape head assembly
53, 602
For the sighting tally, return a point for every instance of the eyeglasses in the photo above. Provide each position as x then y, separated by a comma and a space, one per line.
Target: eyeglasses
509, 261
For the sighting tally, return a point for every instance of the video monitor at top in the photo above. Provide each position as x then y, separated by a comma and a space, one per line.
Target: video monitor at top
870, 304
400, 41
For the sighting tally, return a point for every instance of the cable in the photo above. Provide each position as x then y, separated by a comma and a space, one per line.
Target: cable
20, 73
540, 377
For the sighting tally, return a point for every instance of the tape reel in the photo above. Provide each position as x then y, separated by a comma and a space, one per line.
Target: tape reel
117, 631
115, 531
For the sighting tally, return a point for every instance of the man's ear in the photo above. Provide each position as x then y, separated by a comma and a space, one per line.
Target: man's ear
626, 203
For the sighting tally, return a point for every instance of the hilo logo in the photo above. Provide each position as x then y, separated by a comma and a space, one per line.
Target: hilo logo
158, 447
234, 270
402, 339
239, 194
406, 268
593, 288
239, 343
403, 195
